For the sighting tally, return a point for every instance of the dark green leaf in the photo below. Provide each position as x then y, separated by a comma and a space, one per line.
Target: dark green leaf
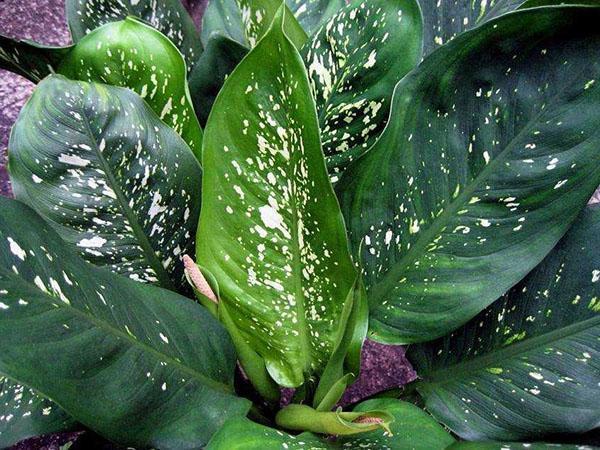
412, 429
490, 153
133, 55
167, 16
24, 413
220, 57
246, 21
528, 365
28, 59
140, 365
354, 62
97, 162
514, 446
270, 230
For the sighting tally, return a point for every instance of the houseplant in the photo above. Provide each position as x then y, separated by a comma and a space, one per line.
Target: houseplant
487, 158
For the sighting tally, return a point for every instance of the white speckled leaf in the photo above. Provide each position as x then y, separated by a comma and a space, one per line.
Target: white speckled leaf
133, 55
515, 446
412, 428
167, 16
444, 20
118, 356
529, 365
29, 59
245, 21
115, 181
354, 62
490, 153
24, 413
271, 231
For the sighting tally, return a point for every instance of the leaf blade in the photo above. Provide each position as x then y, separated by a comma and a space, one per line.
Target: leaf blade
74, 158
283, 147
533, 350
449, 231
70, 336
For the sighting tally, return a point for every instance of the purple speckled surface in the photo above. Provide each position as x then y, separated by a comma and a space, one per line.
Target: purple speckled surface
383, 366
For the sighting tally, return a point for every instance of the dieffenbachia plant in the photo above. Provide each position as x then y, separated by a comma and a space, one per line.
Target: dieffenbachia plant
412, 171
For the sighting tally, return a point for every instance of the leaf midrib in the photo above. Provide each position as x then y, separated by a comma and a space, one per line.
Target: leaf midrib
380, 290
121, 335
137, 230
496, 357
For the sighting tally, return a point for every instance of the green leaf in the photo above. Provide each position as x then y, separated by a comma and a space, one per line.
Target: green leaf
354, 62
167, 16
528, 365
443, 21
490, 153
119, 356
134, 55
24, 413
313, 14
220, 57
257, 16
99, 165
514, 446
412, 428
270, 229
29, 59
245, 21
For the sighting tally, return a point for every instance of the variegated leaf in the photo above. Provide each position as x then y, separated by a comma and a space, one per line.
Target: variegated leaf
28, 59
96, 162
246, 21
167, 16
119, 356
412, 428
490, 153
24, 413
529, 365
257, 16
133, 55
516, 446
270, 229
354, 62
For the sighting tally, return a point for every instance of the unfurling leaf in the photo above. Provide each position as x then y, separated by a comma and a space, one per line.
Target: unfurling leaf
142, 366
270, 229
111, 178
490, 153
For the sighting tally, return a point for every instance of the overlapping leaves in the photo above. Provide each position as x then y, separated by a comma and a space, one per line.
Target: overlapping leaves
528, 365
490, 153
167, 16
270, 230
97, 163
127, 350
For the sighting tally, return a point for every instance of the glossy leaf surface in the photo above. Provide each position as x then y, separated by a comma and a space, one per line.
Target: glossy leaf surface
412, 429
515, 446
232, 17
528, 365
119, 356
113, 179
220, 57
134, 55
167, 16
24, 413
354, 62
490, 153
270, 229
29, 59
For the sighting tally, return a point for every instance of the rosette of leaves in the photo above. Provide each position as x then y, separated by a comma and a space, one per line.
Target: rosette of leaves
458, 223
